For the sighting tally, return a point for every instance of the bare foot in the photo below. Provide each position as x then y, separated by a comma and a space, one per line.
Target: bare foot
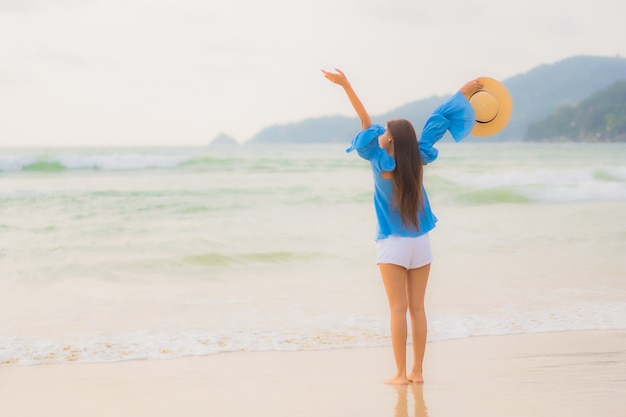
416, 378
398, 380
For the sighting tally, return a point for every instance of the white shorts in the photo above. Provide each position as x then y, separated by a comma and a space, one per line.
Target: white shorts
408, 252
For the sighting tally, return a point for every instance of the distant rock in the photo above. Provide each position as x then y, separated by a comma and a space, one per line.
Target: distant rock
224, 140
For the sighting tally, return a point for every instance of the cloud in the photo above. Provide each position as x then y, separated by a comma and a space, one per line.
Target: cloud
19, 5
61, 57
32, 5
185, 70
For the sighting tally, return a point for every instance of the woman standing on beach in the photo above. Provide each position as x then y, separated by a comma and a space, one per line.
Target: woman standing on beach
402, 209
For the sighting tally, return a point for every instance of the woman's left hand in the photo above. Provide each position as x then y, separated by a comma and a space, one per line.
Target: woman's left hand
471, 87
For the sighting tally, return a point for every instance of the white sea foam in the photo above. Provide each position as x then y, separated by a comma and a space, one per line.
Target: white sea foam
357, 331
617, 172
551, 185
121, 161
15, 163
113, 162
511, 178
588, 190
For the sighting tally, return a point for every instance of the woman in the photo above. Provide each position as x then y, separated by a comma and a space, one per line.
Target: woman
403, 212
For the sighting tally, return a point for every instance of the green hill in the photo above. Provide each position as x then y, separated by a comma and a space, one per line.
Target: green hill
601, 117
536, 95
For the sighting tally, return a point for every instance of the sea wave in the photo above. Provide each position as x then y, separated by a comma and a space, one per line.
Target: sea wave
541, 177
610, 174
491, 196
138, 162
90, 162
324, 332
217, 259
559, 186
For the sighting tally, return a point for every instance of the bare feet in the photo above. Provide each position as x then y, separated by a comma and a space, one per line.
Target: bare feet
416, 378
398, 380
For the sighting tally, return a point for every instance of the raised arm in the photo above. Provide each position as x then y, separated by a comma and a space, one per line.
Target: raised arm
340, 79
454, 115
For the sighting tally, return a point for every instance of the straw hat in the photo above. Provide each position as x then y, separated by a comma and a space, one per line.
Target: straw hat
492, 107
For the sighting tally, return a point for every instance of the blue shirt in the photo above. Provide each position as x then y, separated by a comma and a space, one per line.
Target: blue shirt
454, 115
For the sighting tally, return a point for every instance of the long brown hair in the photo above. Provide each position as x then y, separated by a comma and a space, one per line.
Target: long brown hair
407, 177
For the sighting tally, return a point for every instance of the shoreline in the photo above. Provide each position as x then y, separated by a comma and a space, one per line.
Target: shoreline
577, 373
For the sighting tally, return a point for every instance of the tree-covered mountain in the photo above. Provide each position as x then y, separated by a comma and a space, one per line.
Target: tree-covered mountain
536, 95
601, 117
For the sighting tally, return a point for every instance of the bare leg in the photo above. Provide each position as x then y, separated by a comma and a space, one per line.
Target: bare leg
395, 282
416, 289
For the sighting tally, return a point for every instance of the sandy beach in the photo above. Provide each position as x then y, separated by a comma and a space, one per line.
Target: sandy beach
570, 374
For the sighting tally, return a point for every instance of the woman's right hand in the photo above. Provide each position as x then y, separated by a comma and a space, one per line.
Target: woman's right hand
338, 77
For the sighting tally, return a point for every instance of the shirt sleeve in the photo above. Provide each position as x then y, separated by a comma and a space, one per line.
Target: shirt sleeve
455, 115
365, 143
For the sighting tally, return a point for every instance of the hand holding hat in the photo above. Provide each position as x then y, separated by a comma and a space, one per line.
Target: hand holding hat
492, 106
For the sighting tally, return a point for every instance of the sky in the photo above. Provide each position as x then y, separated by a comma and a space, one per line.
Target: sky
181, 72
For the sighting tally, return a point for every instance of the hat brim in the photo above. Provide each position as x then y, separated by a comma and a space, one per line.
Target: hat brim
505, 108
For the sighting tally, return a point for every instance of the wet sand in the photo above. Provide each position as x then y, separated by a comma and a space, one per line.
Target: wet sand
570, 374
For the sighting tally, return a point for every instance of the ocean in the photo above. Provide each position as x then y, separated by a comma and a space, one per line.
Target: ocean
113, 254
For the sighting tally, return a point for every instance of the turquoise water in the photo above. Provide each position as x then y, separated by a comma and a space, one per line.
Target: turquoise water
111, 254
